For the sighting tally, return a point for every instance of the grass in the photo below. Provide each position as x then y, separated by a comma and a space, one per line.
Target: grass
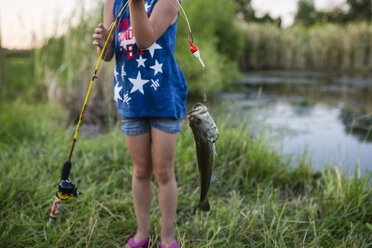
321, 47
261, 200
15, 83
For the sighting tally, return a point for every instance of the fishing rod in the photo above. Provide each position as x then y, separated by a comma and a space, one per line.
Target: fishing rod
66, 188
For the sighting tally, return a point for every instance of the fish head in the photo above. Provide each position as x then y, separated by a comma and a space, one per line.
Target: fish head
200, 119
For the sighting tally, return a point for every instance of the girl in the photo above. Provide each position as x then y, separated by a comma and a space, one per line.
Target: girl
150, 95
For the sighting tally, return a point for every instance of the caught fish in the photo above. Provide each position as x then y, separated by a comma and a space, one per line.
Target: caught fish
205, 134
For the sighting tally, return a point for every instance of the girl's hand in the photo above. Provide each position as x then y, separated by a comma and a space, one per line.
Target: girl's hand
100, 35
103, 30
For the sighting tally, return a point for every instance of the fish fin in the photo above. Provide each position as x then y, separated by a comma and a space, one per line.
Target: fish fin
197, 180
212, 134
215, 179
204, 205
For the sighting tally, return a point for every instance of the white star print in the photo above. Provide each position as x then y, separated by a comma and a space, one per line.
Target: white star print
141, 61
157, 67
117, 90
152, 48
138, 83
123, 73
116, 74
147, 6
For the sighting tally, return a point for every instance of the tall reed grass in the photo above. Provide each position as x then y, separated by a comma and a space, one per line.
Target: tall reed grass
321, 47
64, 66
2, 82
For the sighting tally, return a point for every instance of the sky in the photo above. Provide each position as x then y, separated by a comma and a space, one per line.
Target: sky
287, 8
24, 23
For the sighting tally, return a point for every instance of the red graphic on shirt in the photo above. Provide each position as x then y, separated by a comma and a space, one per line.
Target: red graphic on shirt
127, 35
127, 40
124, 24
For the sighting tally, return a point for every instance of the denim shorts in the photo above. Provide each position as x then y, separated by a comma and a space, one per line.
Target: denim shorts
136, 126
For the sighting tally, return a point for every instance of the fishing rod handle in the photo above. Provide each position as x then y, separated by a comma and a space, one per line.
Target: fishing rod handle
66, 170
55, 209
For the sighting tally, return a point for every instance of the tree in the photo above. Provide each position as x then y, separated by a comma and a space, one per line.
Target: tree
335, 15
306, 12
360, 9
268, 19
245, 10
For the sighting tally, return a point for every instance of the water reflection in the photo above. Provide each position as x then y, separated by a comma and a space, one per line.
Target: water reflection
329, 114
359, 124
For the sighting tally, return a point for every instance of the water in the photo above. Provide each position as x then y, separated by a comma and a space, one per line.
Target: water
328, 115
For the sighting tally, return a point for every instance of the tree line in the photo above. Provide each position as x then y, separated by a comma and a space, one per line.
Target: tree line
307, 14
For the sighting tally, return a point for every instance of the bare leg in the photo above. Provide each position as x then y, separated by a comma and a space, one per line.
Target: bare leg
164, 145
139, 147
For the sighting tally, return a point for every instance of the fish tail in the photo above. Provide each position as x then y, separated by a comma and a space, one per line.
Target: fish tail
204, 205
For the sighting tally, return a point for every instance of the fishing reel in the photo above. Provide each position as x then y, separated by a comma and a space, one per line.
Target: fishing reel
66, 190
66, 187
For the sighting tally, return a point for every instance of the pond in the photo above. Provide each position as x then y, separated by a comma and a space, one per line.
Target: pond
327, 115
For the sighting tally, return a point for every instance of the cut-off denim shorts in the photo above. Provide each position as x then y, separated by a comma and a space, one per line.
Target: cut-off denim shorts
136, 126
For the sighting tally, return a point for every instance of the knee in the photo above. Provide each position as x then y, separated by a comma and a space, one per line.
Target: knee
163, 174
142, 172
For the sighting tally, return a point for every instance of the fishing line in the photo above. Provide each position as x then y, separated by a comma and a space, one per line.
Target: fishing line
204, 90
194, 49
187, 20
183, 14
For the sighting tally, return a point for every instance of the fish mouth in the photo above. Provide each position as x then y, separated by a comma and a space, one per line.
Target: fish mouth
198, 108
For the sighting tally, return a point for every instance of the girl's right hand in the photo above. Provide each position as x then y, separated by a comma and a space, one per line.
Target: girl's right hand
100, 35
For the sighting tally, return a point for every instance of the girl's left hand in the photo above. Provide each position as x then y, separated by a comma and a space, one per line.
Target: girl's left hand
100, 35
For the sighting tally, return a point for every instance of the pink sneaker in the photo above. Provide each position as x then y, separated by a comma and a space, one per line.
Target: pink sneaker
141, 244
175, 245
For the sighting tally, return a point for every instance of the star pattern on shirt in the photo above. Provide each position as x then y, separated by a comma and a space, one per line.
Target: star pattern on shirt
142, 81
117, 90
152, 49
126, 98
141, 61
157, 67
116, 73
123, 73
138, 83
147, 6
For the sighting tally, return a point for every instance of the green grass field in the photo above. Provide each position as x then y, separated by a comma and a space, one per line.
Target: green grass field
18, 78
260, 202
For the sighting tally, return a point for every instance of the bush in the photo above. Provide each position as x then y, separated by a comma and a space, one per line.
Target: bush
219, 41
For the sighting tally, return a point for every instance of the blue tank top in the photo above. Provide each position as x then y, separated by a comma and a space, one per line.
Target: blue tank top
147, 82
